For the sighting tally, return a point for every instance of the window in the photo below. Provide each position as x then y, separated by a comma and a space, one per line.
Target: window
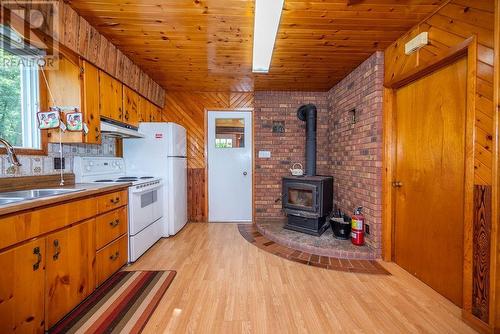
19, 96
229, 132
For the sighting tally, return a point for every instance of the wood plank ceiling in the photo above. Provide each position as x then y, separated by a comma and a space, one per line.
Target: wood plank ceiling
206, 45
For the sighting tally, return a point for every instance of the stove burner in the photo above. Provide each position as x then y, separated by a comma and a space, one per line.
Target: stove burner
125, 180
146, 177
131, 178
103, 180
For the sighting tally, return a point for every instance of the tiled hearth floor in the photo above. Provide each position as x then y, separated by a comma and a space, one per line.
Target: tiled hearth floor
325, 245
252, 234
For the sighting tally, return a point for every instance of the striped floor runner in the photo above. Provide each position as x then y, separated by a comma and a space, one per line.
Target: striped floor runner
123, 304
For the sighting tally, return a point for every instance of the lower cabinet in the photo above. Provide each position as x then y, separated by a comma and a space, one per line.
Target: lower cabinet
22, 288
69, 269
111, 258
42, 279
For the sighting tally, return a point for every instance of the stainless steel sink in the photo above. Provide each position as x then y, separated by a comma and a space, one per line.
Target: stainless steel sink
23, 195
4, 201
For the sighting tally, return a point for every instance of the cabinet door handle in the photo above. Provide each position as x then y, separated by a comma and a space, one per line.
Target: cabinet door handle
114, 223
115, 256
36, 265
97, 133
57, 250
115, 200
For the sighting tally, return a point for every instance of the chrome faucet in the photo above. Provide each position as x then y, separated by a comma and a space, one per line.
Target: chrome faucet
11, 154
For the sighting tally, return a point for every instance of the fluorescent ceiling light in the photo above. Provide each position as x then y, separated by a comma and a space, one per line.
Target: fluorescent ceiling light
266, 23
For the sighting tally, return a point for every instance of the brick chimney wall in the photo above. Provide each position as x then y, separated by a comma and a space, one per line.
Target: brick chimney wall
286, 148
351, 153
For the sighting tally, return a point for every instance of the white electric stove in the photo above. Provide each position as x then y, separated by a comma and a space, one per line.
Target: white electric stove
145, 209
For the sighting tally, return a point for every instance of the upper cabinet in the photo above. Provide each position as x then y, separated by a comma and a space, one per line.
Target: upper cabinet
155, 115
91, 102
110, 97
75, 84
131, 105
144, 110
78, 84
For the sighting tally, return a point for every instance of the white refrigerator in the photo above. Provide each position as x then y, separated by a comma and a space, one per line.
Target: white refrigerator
162, 153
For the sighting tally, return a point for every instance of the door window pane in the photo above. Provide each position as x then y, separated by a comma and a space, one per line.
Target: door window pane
229, 132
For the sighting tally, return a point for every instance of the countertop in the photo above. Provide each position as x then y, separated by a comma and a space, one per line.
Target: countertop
86, 190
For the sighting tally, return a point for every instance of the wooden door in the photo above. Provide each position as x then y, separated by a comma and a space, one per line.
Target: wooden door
90, 94
429, 208
130, 106
22, 281
110, 97
69, 273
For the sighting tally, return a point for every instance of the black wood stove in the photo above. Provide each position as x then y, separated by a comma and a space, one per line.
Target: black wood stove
308, 200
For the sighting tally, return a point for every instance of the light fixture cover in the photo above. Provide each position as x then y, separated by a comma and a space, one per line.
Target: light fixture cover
266, 23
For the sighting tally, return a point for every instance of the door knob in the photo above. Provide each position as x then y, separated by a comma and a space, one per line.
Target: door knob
397, 184
245, 173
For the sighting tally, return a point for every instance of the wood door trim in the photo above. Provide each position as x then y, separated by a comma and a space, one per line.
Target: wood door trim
454, 53
251, 111
495, 228
468, 49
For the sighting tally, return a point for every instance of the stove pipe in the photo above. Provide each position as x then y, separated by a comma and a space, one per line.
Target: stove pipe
308, 114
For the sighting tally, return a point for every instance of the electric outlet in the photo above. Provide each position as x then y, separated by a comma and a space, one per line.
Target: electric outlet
59, 164
367, 229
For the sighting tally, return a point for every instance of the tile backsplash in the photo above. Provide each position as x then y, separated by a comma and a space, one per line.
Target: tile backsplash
39, 165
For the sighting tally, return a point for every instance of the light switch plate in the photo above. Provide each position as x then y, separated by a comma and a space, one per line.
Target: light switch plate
265, 154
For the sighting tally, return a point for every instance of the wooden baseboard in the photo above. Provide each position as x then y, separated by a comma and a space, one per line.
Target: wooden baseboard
477, 324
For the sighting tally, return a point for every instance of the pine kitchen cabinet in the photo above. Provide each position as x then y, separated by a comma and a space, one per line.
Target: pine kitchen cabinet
50, 259
75, 83
22, 288
69, 269
110, 97
144, 109
131, 104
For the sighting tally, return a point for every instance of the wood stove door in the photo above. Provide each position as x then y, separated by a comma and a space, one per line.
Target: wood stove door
300, 196
229, 166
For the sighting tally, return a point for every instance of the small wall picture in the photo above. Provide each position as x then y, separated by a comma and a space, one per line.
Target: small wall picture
74, 121
48, 119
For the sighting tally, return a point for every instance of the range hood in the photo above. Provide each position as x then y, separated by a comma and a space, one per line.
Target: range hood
115, 129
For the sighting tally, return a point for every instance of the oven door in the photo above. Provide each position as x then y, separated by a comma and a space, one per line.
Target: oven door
145, 207
300, 196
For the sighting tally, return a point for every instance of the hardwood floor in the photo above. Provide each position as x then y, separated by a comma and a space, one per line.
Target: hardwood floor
226, 285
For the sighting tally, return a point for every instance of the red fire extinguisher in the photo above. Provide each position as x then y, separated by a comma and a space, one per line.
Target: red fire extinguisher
358, 228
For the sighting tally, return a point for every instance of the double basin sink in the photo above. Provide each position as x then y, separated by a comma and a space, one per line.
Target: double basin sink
25, 195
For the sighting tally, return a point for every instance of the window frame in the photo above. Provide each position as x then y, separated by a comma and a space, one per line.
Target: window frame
44, 138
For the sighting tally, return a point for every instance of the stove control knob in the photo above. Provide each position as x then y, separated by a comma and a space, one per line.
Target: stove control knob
87, 168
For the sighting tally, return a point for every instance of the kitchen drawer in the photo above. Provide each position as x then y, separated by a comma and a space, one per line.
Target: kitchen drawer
29, 224
110, 226
112, 201
111, 258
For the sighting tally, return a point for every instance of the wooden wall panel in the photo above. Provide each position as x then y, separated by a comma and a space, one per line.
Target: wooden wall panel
75, 33
188, 109
452, 24
197, 210
481, 252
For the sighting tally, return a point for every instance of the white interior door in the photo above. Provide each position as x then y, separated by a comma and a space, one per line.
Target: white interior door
229, 166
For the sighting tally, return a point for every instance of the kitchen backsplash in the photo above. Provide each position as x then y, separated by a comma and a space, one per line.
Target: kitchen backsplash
39, 165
